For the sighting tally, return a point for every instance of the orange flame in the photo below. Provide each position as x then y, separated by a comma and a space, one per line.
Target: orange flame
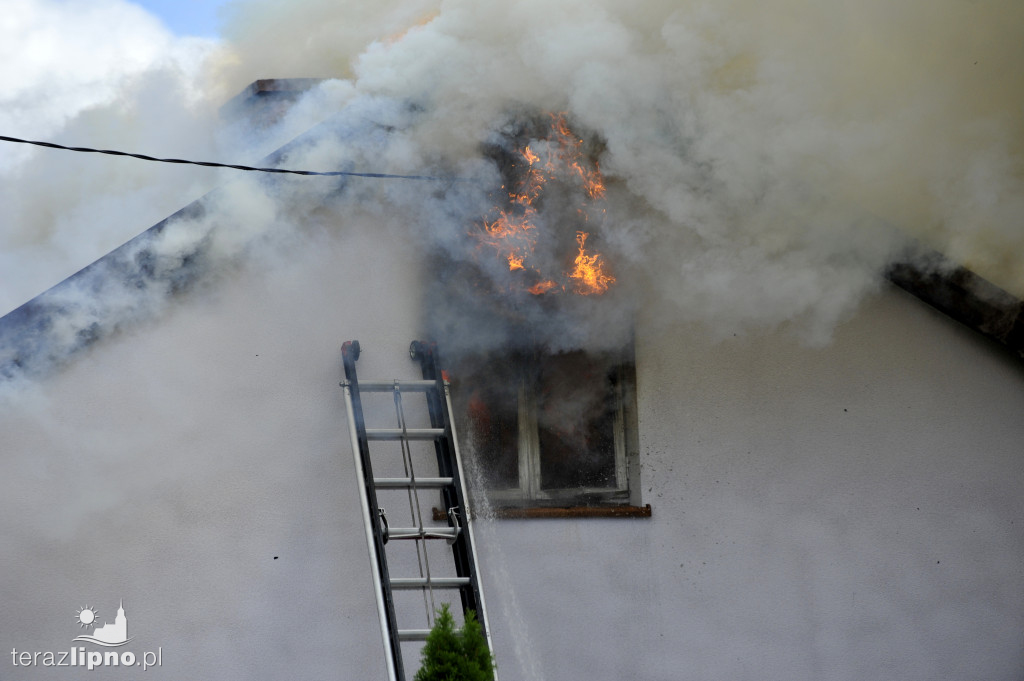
513, 235
542, 287
593, 182
571, 149
589, 274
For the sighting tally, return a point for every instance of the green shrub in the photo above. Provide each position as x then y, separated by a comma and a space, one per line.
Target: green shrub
455, 655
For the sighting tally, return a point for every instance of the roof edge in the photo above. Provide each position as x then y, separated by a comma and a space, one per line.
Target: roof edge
962, 295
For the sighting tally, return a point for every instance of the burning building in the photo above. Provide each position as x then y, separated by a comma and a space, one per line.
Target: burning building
704, 440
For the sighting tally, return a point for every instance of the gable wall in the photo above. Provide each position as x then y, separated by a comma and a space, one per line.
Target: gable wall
846, 512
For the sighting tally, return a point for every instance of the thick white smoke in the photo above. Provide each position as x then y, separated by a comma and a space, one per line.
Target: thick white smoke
106, 74
758, 152
101, 74
764, 163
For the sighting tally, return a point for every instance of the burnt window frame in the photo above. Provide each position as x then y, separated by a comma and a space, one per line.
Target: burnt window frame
530, 492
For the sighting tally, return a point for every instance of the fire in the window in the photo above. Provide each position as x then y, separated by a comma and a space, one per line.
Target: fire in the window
514, 302
554, 191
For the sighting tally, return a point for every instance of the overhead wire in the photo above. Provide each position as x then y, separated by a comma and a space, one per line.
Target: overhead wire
212, 164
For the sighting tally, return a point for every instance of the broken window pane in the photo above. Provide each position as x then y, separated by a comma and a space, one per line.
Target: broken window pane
542, 427
487, 396
576, 409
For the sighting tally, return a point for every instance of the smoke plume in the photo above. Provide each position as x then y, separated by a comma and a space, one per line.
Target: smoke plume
763, 164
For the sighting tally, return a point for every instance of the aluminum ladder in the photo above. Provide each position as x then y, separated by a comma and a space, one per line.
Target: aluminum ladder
449, 482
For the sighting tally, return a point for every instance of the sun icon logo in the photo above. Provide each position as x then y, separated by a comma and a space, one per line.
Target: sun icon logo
86, 616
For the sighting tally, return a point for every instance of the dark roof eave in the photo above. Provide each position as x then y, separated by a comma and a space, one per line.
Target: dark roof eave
962, 295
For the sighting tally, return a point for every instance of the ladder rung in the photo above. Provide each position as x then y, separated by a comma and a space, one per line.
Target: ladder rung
403, 483
413, 634
434, 582
425, 533
388, 386
407, 434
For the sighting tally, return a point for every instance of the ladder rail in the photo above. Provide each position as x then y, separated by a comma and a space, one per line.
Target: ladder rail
378, 592
368, 499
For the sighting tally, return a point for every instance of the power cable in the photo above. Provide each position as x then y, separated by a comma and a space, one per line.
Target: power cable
211, 164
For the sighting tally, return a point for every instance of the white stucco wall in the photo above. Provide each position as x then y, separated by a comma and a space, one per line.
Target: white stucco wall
169, 466
849, 512
846, 513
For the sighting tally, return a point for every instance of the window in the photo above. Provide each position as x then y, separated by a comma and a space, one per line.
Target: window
550, 429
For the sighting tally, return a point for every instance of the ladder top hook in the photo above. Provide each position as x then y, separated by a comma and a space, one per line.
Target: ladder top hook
350, 349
